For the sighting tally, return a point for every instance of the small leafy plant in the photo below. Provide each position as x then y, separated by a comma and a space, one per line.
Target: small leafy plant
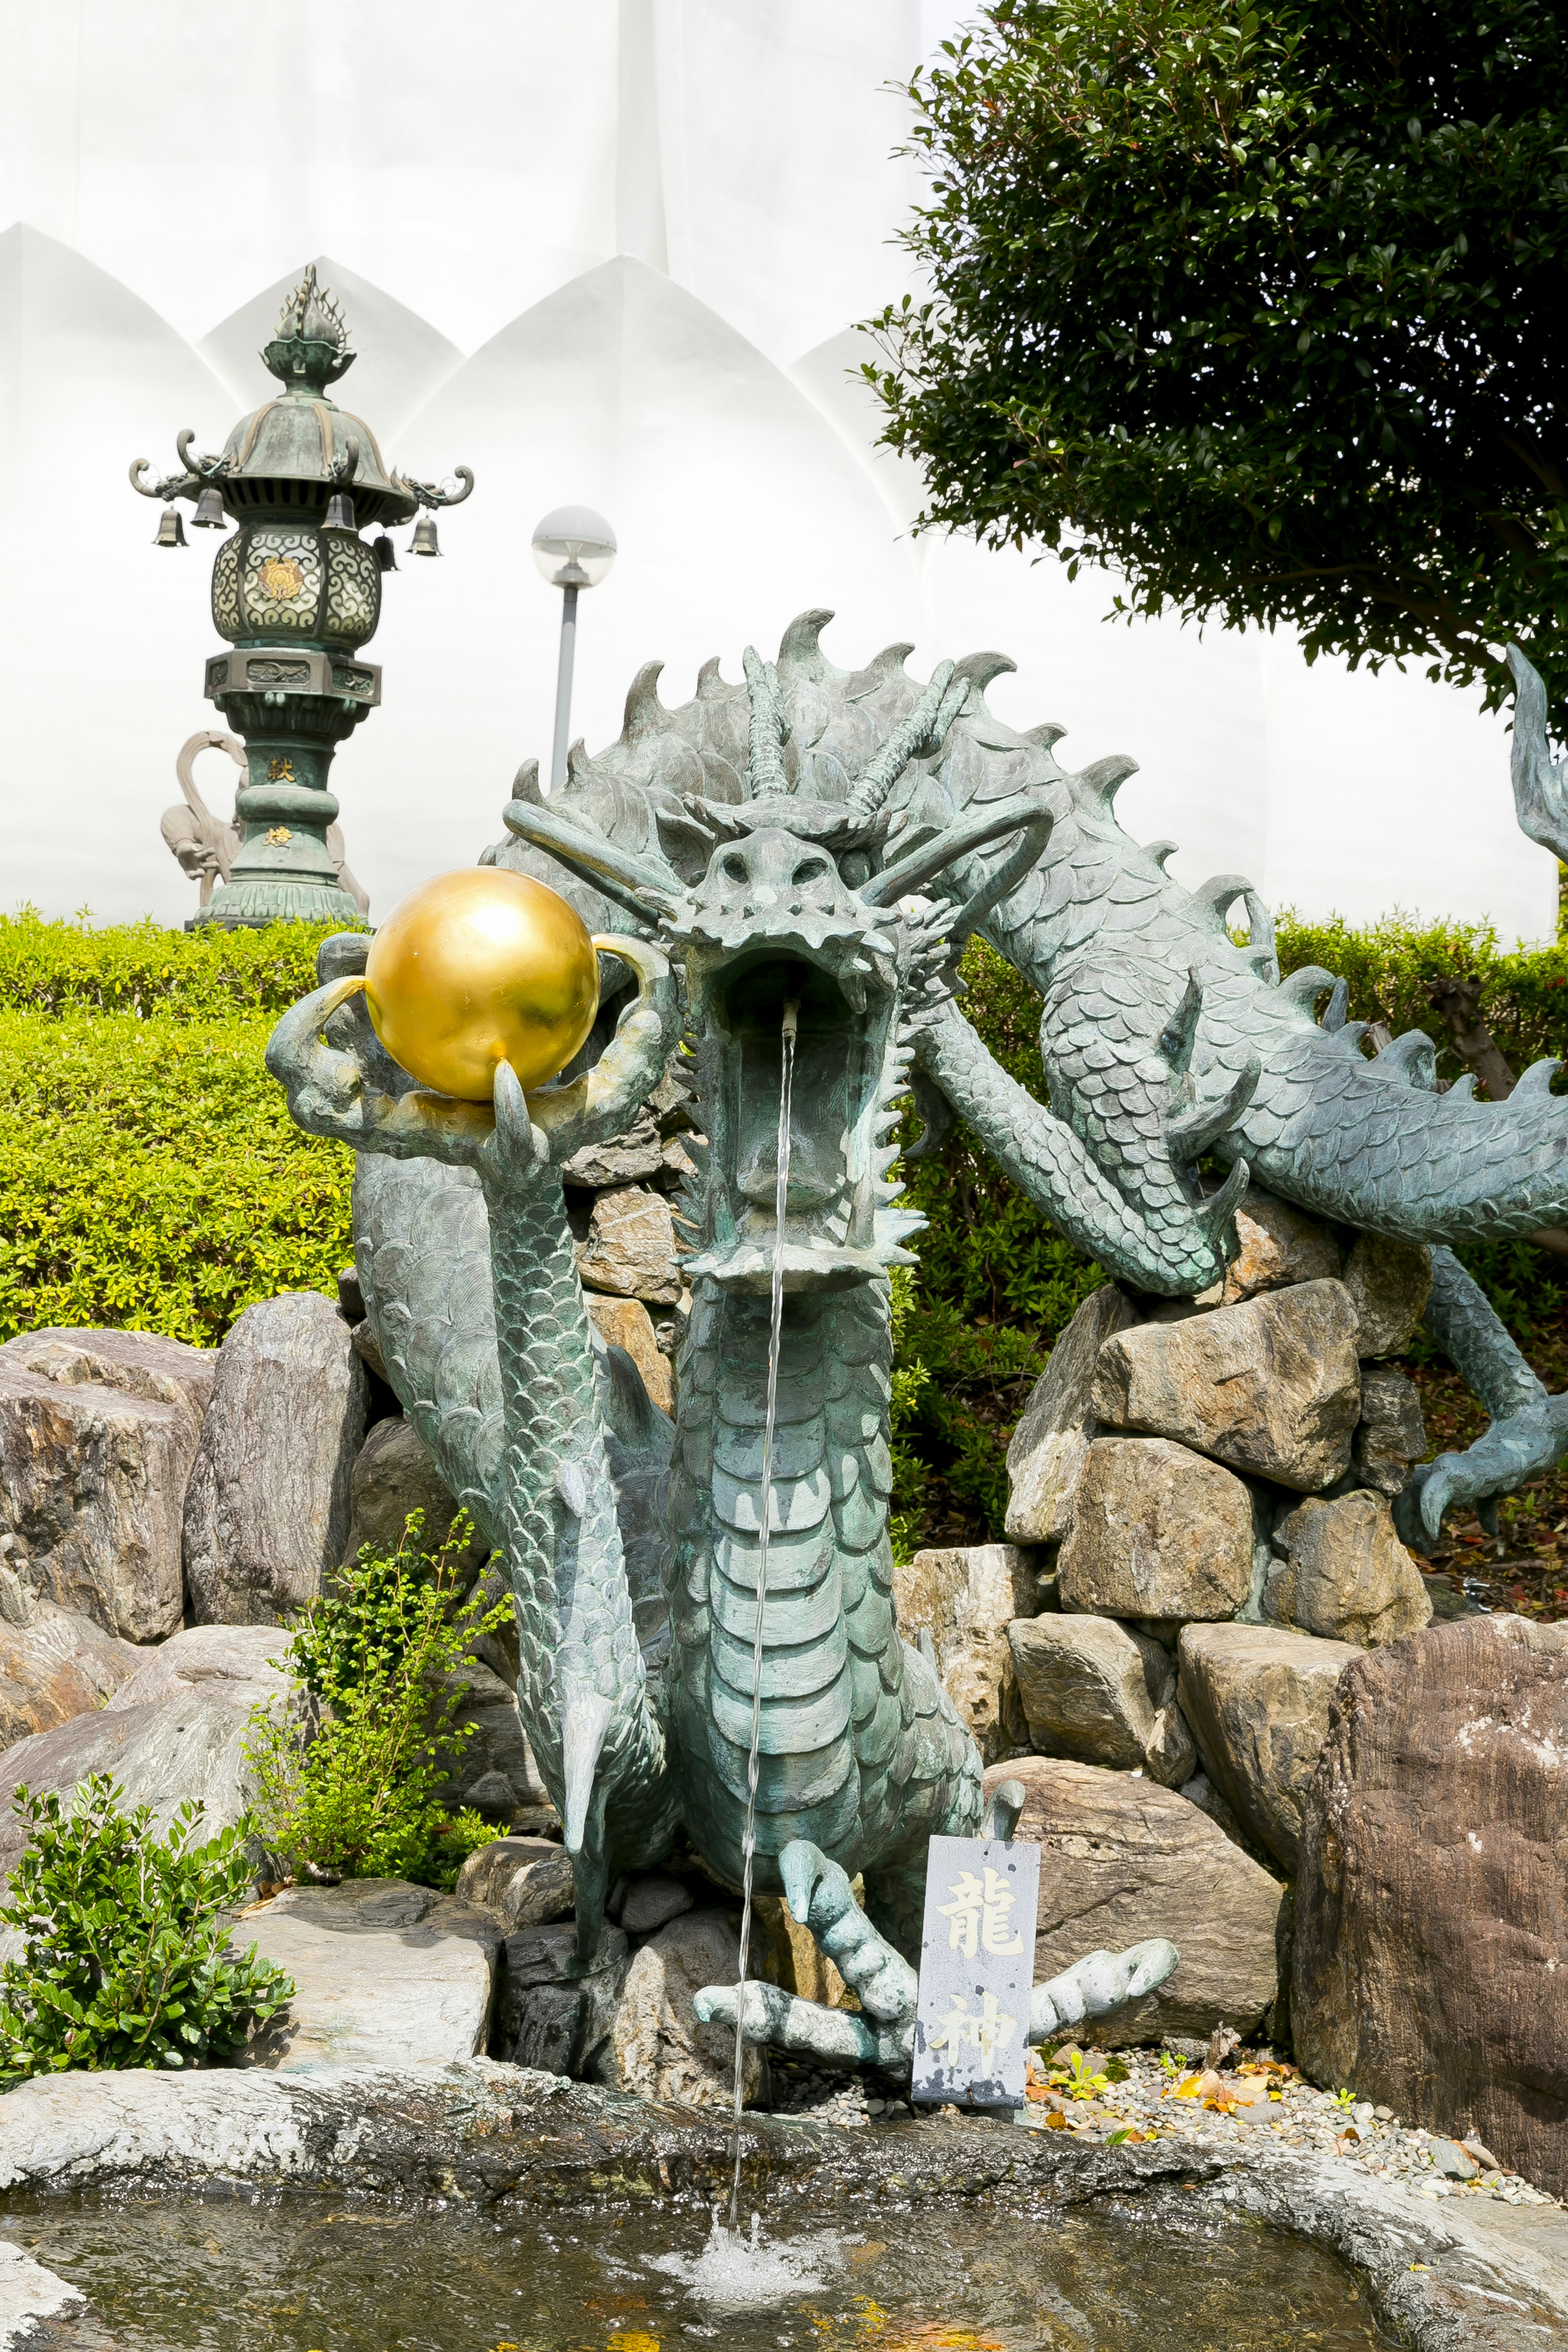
1077, 2077
350, 1783
126, 1959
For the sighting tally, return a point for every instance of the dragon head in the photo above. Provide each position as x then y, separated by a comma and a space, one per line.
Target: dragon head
783, 912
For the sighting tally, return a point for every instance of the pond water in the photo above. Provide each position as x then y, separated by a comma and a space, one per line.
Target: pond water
307, 2274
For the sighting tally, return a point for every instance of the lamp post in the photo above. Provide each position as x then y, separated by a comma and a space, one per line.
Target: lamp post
574, 548
296, 592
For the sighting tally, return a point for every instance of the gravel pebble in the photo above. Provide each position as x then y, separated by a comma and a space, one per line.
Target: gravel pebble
1302, 2117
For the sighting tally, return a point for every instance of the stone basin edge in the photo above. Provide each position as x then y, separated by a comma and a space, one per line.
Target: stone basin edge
481, 2132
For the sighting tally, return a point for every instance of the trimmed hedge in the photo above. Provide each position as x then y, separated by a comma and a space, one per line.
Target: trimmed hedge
140, 968
150, 1174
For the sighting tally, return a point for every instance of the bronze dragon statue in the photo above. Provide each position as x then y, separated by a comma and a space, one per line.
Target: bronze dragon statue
830, 840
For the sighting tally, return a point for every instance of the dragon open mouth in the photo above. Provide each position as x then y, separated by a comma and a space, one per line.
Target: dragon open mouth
737, 1007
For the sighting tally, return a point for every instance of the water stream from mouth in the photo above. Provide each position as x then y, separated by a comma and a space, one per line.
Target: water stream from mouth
775, 1326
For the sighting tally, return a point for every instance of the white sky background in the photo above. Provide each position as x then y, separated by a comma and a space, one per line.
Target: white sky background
473, 178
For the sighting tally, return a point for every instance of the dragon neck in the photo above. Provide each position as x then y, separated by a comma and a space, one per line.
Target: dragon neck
578, 1642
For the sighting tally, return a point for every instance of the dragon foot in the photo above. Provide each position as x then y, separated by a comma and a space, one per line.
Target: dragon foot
882, 2034
1517, 1445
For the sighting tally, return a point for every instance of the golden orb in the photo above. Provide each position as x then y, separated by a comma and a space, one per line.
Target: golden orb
481, 967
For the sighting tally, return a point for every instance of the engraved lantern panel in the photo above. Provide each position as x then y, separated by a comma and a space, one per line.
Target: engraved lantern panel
353, 591
281, 577
225, 591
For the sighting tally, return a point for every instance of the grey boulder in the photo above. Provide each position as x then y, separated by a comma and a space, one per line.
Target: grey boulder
99, 1431
1158, 1532
1389, 1283
1345, 1574
1271, 1386
965, 1597
1094, 1690
494, 1769
554, 2012
267, 1509
1123, 1859
522, 1882
651, 1902
1257, 1700
1391, 1436
659, 2047
1050, 1444
394, 1475
384, 1974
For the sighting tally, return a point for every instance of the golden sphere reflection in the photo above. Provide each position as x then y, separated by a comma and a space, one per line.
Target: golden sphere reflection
481, 967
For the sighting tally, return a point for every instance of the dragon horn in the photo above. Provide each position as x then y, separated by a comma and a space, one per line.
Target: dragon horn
923, 732
770, 730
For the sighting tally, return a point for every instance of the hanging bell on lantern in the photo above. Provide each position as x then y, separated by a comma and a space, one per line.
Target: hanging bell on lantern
340, 512
425, 541
384, 553
170, 528
209, 514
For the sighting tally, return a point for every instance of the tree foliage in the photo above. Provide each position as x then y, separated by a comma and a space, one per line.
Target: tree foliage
1261, 308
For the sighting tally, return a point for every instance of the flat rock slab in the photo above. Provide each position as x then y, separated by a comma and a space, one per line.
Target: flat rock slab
237, 1665
1439, 2276
187, 1744
384, 1973
1271, 1386
1123, 1859
1258, 1699
1431, 1952
39, 2311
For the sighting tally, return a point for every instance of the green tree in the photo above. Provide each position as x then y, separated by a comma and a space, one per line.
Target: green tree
1260, 307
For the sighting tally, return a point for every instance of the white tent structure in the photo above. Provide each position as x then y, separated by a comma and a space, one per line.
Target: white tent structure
608, 253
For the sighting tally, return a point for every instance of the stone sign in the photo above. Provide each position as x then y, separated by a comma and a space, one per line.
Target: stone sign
977, 1970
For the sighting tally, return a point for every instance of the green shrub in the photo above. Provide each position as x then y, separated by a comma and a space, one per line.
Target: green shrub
151, 1177
350, 1781
125, 1959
